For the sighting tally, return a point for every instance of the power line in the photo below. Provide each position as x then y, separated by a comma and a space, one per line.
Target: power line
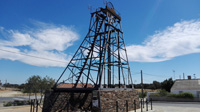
136, 73
151, 74
32, 56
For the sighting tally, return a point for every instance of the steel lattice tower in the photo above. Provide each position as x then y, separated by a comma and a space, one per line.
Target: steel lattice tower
101, 59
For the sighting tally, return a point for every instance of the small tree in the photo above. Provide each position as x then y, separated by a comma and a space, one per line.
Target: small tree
33, 85
46, 84
167, 84
156, 84
36, 84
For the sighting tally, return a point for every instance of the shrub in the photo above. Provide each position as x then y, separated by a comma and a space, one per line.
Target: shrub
7, 104
163, 92
160, 93
186, 95
189, 95
182, 95
172, 95
16, 103
155, 95
144, 94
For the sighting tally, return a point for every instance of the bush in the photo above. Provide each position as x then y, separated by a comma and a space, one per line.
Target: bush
172, 95
16, 103
167, 84
160, 93
182, 95
155, 95
7, 104
144, 94
187, 95
163, 92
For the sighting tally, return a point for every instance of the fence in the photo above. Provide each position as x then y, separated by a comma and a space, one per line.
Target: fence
35, 105
170, 99
142, 103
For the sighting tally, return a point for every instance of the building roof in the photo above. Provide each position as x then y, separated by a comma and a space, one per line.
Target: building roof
70, 85
192, 84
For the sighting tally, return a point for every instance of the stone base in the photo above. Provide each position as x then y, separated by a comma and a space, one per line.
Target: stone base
63, 101
110, 100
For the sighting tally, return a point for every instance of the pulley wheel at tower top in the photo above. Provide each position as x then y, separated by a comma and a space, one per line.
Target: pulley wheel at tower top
110, 5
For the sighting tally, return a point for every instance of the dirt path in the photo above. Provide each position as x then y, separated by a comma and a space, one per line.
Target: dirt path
17, 109
10, 92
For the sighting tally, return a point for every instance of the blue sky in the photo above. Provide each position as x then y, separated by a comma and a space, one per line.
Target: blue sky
160, 36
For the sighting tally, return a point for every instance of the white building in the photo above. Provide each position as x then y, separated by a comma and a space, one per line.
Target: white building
187, 85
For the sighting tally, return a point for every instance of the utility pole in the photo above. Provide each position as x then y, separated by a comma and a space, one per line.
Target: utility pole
0, 84
5, 83
194, 76
183, 76
174, 74
82, 80
142, 88
72, 80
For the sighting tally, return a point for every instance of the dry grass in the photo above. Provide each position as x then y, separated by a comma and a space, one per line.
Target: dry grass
17, 109
12, 92
147, 90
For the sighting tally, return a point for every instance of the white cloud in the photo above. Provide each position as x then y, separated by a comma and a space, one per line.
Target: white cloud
47, 41
180, 39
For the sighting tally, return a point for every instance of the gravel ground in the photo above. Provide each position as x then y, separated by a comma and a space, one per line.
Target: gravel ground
17, 109
173, 107
157, 107
10, 93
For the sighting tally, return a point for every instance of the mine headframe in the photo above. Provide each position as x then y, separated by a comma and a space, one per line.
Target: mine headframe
101, 60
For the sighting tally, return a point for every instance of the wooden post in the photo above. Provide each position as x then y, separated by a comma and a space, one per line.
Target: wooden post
116, 106
31, 106
141, 106
36, 105
126, 105
151, 104
146, 105
142, 88
67, 106
135, 105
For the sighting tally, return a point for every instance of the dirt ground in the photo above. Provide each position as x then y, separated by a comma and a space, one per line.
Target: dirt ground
172, 107
146, 90
10, 92
18, 109
157, 107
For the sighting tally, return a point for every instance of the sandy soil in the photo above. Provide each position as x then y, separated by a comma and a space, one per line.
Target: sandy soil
9, 92
163, 107
18, 109
173, 107
147, 90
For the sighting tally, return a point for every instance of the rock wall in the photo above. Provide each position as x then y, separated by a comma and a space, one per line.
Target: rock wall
63, 101
110, 100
